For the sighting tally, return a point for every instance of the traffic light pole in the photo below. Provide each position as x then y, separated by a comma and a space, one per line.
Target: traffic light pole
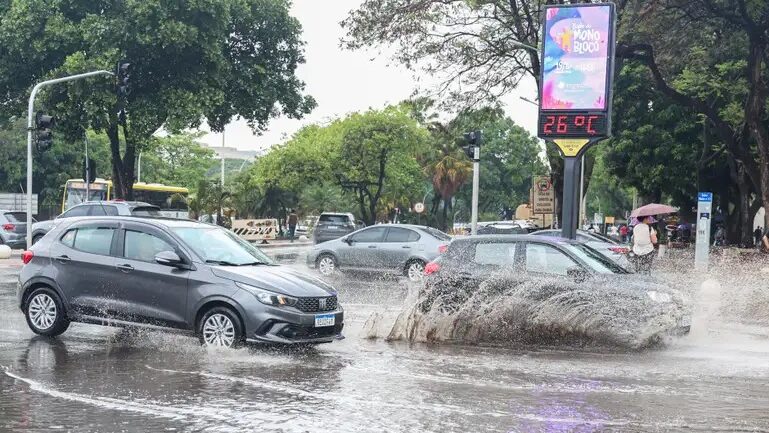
30, 128
476, 182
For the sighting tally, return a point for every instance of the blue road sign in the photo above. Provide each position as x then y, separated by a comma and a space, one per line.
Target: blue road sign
705, 196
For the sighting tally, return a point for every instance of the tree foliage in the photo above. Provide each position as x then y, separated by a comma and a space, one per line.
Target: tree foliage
206, 60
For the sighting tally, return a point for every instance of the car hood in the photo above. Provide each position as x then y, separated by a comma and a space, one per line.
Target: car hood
275, 279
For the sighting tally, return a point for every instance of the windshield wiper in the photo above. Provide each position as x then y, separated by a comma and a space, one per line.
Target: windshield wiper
221, 262
226, 263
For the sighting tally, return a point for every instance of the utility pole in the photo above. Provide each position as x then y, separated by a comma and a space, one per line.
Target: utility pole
139, 171
87, 171
30, 111
472, 149
222, 155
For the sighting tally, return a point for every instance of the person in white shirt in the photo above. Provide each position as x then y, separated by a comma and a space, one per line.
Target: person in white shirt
644, 239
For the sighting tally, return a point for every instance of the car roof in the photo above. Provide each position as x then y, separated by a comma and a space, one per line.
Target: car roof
516, 238
156, 221
116, 202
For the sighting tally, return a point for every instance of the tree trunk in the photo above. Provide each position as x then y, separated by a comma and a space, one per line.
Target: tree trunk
444, 220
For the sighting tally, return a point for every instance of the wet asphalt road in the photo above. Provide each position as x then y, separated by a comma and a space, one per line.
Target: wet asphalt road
95, 379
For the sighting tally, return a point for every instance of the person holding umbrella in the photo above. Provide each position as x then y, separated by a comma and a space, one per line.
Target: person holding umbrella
644, 236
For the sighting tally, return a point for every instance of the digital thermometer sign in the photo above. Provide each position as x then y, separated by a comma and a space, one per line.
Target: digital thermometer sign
554, 124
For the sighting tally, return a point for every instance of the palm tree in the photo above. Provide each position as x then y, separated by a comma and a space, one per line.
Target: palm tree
448, 171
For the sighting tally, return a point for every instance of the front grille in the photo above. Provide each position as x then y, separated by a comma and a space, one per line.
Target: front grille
296, 332
313, 305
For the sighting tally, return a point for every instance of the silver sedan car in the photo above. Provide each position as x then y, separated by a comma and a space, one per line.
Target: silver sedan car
392, 248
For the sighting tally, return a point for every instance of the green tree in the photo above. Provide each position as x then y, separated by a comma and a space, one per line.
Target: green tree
177, 160
193, 61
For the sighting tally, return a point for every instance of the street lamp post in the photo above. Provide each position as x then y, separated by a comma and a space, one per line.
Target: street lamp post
30, 127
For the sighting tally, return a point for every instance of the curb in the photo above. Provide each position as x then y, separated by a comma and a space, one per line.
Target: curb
282, 245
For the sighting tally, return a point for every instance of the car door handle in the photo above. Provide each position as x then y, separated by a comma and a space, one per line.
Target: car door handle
63, 259
406, 247
372, 246
125, 268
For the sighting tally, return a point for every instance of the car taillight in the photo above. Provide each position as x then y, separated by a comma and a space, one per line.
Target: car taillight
619, 250
8, 227
27, 256
443, 248
432, 268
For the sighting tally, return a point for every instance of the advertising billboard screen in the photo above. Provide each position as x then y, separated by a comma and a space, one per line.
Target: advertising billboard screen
577, 48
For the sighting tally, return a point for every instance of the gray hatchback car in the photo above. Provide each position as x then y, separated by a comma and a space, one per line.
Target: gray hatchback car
173, 274
390, 248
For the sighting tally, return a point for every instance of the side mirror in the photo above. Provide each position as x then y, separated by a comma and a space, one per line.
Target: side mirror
576, 273
348, 240
168, 258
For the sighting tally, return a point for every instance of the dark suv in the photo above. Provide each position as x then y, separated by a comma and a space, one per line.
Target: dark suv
96, 209
333, 225
175, 274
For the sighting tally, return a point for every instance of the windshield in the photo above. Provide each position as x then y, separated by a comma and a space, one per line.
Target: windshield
145, 211
17, 217
334, 219
219, 246
595, 260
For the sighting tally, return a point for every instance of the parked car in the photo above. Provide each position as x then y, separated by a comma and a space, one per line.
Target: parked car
333, 226
390, 248
96, 209
13, 229
171, 273
605, 245
546, 271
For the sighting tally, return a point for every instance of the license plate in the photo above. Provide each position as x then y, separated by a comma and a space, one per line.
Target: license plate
322, 320
333, 227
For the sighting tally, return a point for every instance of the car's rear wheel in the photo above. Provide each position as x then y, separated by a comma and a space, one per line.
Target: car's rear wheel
415, 270
220, 327
45, 313
36, 239
326, 265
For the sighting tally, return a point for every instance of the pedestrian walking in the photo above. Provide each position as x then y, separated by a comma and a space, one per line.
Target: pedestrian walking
623, 233
757, 235
644, 239
293, 219
720, 236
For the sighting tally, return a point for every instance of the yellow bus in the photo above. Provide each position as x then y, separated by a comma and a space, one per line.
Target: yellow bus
172, 200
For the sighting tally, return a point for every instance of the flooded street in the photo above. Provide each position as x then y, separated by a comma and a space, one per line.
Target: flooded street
96, 379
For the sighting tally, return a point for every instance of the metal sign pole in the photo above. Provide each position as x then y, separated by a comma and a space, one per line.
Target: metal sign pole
704, 216
30, 128
476, 182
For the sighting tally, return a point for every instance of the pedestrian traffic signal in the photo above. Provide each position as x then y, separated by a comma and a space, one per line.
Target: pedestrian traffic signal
89, 171
43, 134
123, 74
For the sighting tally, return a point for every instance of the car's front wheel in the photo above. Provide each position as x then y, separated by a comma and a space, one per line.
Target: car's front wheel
220, 327
326, 265
45, 313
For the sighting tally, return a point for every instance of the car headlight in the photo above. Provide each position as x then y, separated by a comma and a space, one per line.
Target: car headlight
267, 297
659, 297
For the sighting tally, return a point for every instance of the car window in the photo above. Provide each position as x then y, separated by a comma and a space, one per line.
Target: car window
102, 210
76, 211
397, 234
437, 234
147, 211
69, 238
16, 217
496, 254
375, 234
143, 246
547, 260
334, 219
94, 240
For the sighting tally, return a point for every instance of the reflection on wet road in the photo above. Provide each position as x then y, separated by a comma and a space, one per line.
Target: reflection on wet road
95, 379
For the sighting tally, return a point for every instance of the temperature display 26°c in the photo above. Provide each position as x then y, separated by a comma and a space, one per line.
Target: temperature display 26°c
572, 125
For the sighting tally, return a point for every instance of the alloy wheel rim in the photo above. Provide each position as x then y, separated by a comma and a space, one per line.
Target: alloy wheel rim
326, 266
416, 271
42, 311
218, 330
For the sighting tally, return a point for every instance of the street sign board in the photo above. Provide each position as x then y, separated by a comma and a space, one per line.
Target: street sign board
419, 207
577, 71
704, 217
543, 200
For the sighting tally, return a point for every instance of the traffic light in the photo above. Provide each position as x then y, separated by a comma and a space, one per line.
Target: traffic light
43, 134
472, 140
123, 74
89, 171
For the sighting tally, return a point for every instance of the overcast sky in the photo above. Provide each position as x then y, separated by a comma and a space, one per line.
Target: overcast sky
345, 81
